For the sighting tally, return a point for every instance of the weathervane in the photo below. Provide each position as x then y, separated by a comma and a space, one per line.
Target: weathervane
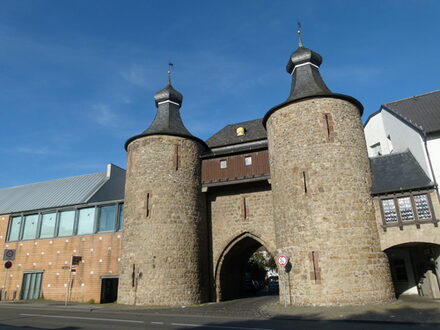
300, 43
169, 72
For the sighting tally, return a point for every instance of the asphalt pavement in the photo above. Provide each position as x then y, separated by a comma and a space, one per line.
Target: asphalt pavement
257, 313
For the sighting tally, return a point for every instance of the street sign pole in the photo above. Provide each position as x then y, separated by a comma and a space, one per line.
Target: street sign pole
283, 261
68, 283
4, 284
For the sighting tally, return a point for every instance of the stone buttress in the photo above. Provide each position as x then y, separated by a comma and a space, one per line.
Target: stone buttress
161, 253
323, 213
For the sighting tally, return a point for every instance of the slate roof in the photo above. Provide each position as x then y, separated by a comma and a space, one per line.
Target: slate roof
422, 111
62, 192
254, 131
167, 121
397, 172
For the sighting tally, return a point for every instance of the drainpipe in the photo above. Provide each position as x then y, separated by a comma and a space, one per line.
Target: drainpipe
430, 163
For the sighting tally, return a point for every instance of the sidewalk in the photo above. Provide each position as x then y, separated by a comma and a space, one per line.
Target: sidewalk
407, 309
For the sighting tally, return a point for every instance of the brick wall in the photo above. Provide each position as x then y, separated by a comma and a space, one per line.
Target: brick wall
100, 253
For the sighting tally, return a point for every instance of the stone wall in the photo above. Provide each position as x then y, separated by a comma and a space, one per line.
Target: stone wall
161, 254
236, 210
322, 209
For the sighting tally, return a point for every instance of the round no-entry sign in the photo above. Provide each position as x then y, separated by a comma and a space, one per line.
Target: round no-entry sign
8, 264
282, 261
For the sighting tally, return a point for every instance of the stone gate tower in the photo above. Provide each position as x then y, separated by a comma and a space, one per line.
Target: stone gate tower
323, 213
163, 231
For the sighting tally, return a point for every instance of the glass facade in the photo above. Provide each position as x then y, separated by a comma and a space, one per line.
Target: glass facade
67, 222
48, 222
107, 218
86, 221
30, 226
14, 229
81, 221
121, 216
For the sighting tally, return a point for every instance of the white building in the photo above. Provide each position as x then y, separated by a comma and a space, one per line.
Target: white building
412, 123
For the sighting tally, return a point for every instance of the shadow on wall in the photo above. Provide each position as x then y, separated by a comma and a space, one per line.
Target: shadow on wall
414, 269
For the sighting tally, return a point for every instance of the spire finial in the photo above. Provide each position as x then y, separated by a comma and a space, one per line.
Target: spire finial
169, 72
300, 43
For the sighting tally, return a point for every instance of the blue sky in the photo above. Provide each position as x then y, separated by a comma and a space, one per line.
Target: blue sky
77, 78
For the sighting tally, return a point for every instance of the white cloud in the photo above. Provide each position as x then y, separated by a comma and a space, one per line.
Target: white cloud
33, 151
104, 116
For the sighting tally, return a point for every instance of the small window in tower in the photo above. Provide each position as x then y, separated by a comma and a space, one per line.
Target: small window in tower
223, 163
248, 160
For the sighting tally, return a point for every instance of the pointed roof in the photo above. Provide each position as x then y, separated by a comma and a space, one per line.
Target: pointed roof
167, 121
421, 111
307, 82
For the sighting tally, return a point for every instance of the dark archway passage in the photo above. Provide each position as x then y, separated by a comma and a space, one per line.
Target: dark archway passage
232, 277
415, 268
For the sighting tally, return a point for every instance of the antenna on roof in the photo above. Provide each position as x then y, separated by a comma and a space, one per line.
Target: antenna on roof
169, 72
300, 43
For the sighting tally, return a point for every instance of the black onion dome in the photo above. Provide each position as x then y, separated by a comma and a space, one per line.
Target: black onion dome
168, 121
303, 55
303, 66
168, 94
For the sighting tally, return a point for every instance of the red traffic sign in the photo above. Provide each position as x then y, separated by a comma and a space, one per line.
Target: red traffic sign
8, 264
282, 261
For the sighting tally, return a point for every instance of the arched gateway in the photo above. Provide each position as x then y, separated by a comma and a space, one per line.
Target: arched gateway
230, 268
303, 189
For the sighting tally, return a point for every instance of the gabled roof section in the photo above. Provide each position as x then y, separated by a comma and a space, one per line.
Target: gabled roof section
397, 172
63, 192
421, 111
253, 131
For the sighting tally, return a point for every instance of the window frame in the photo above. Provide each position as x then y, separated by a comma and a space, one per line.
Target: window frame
23, 226
58, 211
98, 218
119, 224
40, 223
416, 221
11, 217
223, 161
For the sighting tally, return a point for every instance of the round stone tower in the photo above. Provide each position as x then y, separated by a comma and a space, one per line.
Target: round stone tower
323, 212
163, 228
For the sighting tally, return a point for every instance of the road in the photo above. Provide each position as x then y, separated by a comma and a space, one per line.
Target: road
244, 314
